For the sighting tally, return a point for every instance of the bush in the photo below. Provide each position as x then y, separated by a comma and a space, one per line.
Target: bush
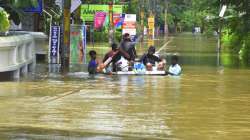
231, 41
100, 36
118, 36
4, 21
237, 44
245, 50
103, 36
209, 32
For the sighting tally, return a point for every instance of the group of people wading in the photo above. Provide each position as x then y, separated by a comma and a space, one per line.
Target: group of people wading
123, 58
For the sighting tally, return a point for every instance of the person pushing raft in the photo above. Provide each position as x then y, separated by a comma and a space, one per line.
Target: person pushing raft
174, 68
112, 57
123, 59
93, 63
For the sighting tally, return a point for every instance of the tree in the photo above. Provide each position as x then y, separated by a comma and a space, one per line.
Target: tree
237, 28
14, 7
4, 22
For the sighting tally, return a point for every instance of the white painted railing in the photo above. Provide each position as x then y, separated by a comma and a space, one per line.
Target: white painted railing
17, 54
41, 42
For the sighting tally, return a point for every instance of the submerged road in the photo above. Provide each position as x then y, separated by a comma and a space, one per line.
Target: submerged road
209, 101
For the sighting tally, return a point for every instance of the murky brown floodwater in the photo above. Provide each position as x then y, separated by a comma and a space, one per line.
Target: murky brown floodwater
208, 102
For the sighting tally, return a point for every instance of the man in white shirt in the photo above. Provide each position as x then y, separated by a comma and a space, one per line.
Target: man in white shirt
174, 68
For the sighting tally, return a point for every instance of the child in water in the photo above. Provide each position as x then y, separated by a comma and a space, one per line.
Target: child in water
93, 64
174, 68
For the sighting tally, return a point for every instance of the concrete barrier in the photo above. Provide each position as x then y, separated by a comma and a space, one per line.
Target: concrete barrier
41, 41
17, 54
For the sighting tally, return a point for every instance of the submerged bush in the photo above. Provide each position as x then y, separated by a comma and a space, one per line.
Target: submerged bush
245, 50
236, 43
231, 42
4, 21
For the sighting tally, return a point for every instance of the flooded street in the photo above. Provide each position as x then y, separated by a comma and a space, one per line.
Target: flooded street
209, 102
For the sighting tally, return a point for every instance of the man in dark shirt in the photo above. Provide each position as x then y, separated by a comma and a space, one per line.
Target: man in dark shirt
150, 57
128, 48
115, 54
149, 60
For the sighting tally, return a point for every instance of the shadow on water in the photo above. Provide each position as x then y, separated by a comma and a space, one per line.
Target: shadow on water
5, 76
36, 133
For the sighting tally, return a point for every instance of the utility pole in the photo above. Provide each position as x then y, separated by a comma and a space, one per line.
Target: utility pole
221, 17
111, 26
166, 19
142, 14
65, 45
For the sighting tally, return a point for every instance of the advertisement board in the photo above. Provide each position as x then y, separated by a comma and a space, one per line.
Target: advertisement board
118, 20
129, 24
99, 20
117, 9
78, 44
88, 11
37, 9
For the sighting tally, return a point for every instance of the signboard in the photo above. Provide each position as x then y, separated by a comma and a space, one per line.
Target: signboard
54, 45
118, 20
117, 9
88, 10
151, 30
130, 18
78, 44
37, 9
129, 24
99, 20
84, 42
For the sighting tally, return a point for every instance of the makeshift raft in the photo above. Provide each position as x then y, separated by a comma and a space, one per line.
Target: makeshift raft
139, 73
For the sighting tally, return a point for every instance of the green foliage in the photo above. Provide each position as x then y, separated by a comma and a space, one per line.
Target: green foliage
227, 59
102, 36
237, 37
14, 7
118, 36
4, 22
205, 14
245, 50
231, 41
24, 3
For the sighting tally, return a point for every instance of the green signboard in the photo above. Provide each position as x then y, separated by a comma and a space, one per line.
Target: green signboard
117, 9
88, 10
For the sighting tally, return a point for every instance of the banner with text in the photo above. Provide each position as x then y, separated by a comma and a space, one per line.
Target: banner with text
88, 11
54, 43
